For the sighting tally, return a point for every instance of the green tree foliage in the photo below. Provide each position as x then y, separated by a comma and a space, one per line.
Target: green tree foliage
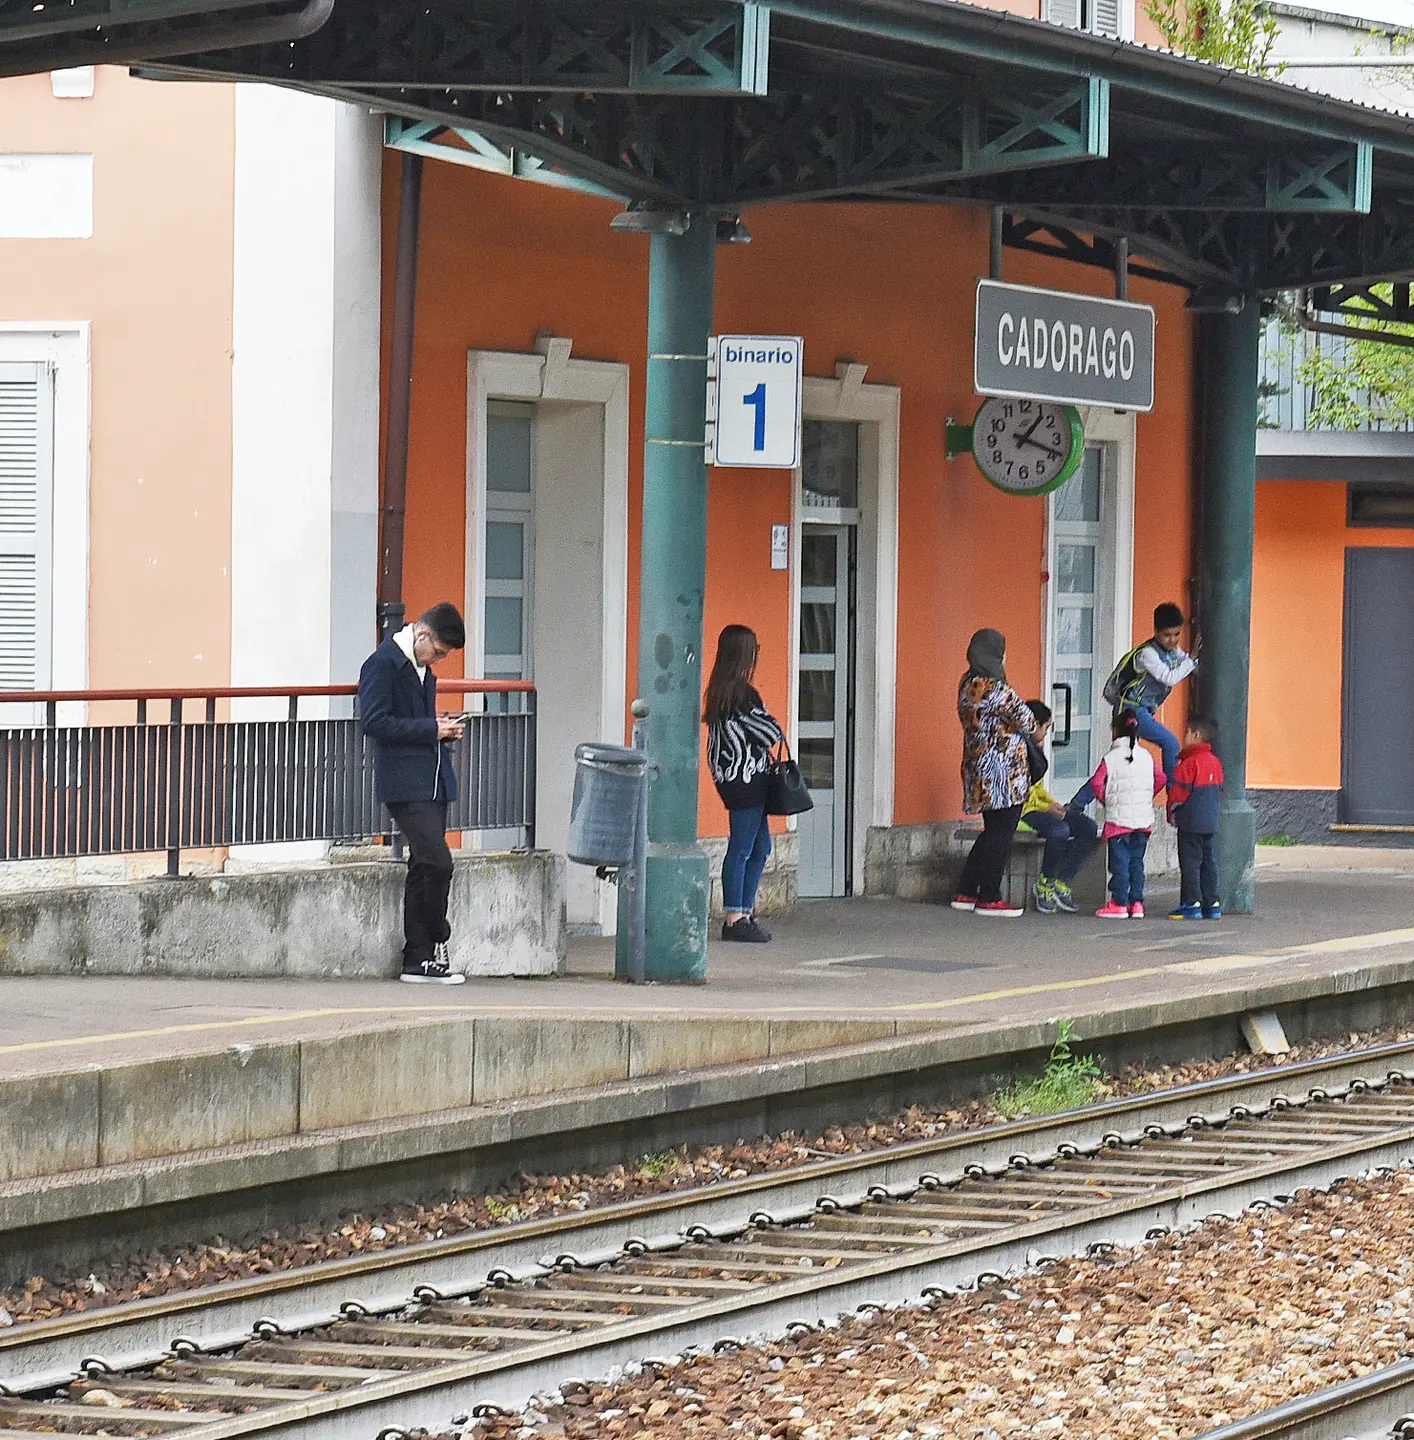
1362, 382
1236, 33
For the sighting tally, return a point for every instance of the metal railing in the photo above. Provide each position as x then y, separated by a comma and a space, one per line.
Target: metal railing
204, 778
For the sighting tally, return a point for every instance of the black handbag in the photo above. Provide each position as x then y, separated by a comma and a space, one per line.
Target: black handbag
786, 792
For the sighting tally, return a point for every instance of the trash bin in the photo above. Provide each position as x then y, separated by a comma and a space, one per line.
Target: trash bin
604, 810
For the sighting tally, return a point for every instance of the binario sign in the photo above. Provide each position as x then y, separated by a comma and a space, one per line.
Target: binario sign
1052, 345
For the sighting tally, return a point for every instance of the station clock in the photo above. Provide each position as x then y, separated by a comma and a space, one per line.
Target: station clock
1027, 447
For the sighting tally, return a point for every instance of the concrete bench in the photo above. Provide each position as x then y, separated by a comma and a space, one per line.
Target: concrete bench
1025, 865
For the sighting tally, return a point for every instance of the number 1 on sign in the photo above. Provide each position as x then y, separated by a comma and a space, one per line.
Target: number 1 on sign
757, 399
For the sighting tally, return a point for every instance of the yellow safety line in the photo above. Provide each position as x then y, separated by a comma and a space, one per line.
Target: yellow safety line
1380, 939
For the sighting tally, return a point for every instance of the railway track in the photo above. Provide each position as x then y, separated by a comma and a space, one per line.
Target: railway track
1373, 1407
413, 1337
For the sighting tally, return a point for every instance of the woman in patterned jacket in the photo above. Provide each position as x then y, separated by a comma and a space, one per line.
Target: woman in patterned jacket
995, 774
740, 736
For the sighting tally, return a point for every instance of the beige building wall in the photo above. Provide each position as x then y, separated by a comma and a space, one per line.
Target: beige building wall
154, 284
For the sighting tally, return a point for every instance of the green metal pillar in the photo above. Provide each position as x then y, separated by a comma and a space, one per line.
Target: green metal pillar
1227, 366
681, 272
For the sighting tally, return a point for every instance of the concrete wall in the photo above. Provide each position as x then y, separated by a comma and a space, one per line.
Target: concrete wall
328, 920
95, 1116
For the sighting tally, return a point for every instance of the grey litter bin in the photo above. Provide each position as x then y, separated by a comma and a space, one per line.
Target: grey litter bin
604, 810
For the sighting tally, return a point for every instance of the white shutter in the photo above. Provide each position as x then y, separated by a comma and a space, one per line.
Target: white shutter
26, 523
1064, 12
1105, 18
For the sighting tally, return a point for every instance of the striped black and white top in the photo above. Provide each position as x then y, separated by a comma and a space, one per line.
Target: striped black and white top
739, 752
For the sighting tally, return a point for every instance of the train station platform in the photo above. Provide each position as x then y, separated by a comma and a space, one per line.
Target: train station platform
129, 1095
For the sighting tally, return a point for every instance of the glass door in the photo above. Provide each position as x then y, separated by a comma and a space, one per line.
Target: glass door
822, 705
1081, 586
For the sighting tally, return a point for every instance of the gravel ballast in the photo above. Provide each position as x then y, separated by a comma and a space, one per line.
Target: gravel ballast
188, 1266
1164, 1341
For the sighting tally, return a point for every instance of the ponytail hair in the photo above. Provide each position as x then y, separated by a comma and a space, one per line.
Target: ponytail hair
1126, 722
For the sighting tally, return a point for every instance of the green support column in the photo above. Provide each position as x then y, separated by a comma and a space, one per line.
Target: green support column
1228, 363
681, 273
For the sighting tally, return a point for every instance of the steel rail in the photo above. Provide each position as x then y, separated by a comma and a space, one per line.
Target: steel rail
396, 1361
1370, 1407
48, 1351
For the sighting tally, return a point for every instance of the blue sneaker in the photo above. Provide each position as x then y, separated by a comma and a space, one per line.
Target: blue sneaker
1187, 912
1045, 895
1213, 912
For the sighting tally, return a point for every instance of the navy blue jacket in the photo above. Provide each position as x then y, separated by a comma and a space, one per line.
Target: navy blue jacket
399, 714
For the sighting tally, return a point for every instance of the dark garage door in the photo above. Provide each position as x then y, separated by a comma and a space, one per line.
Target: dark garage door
1377, 759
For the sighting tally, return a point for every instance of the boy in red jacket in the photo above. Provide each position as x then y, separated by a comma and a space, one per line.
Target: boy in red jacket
1194, 806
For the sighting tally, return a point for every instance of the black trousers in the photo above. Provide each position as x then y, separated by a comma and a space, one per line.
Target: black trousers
429, 879
987, 860
1197, 869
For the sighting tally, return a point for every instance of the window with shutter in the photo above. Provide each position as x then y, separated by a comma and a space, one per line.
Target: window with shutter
1105, 18
26, 523
1064, 12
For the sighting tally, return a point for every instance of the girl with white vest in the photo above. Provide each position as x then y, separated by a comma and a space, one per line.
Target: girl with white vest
1125, 783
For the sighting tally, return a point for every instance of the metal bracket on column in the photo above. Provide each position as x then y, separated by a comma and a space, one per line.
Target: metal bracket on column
471, 148
1340, 180
725, 55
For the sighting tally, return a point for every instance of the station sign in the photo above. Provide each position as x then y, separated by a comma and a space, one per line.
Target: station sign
759, 384
1052, 345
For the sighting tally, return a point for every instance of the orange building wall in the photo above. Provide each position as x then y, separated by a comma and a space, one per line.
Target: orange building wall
1298, 616
154, 281
888, 286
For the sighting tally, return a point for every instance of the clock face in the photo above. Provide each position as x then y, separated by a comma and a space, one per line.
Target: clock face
1027, 447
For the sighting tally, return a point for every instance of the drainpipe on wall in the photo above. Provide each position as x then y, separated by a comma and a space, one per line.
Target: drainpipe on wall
395, 454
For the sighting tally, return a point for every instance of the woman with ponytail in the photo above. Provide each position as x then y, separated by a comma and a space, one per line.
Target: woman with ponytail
1125, 783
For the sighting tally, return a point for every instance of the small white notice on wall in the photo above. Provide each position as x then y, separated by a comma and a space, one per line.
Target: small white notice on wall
780, 547
73, 84
46, 197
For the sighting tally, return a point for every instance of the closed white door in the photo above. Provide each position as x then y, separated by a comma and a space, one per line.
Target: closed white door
822, 706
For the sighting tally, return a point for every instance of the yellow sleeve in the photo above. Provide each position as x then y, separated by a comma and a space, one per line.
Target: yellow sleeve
1038, 798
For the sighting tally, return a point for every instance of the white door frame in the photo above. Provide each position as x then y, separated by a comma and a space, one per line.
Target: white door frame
551, 375
1115, 429
876, 409
64, 345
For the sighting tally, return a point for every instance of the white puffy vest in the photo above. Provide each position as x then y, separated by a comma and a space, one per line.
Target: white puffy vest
1129, 787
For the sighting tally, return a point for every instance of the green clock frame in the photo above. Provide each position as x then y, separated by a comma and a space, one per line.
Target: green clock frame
959, 442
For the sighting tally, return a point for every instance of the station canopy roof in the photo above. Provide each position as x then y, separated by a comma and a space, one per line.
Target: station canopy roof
1226, 182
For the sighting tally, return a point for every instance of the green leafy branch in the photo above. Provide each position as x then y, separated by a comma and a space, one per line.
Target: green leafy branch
1236, 33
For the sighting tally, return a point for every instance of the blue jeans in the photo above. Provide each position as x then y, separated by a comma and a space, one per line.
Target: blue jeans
1160, 735
747, 849
1069, 842
1127, 866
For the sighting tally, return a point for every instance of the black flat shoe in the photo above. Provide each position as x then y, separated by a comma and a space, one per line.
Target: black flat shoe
746, 931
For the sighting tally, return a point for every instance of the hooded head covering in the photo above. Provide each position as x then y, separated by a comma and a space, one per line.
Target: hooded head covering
984, 654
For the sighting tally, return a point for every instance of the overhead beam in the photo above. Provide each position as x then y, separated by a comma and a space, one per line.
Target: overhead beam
702, 47
477, 152
995, 35
1334, 178
834, 139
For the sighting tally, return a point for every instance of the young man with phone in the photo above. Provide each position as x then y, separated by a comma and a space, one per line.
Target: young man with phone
397, 703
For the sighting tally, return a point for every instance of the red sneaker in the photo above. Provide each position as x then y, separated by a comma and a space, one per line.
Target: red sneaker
964, 902
999, 908
1136, 911
1110, 911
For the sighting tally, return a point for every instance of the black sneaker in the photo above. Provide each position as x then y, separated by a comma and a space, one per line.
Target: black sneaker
434, 971
747, 931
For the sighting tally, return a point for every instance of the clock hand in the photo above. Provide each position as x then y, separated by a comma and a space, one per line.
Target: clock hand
1026, 440
1023, 439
